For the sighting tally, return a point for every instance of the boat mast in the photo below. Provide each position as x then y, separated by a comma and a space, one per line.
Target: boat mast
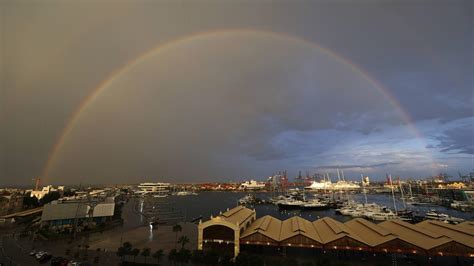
345, 189
401, 193
324, 180
393, 193
363, 187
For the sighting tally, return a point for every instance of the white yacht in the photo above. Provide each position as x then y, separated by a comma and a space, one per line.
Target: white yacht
381, 215
345, 185
186, 193
436, 215
315, 204
252, 185
321, 185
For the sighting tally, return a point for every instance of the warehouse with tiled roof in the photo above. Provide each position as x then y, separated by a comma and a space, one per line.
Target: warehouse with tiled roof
238, 227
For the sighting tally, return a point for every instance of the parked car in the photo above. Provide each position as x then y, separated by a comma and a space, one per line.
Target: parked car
45, 258
39, 254
73, 263
59, 261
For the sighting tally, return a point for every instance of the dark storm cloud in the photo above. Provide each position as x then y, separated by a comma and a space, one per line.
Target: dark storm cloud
244, 116
456, 140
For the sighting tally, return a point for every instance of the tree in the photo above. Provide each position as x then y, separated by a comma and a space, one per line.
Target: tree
158, 255
134, 253
176, 228
145, 253
183, 240
211, 257
173, 256
51, 196
86, 248
197, 257
127, 246
121, 252
183, 256
29, 201
248, 259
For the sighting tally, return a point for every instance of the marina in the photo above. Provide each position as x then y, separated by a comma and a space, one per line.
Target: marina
209, 203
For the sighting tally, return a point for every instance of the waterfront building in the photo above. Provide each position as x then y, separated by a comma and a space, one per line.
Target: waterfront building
223, 232
237, 229
39, 194
62, 214
154, 188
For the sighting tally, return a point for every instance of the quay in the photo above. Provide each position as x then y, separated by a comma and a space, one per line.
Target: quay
238, 229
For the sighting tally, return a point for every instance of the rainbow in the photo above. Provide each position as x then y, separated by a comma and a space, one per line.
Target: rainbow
94, 95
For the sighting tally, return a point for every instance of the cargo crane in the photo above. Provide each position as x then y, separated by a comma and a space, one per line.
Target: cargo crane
466, 178
37, 182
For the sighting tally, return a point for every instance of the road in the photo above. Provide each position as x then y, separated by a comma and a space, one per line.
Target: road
12, 253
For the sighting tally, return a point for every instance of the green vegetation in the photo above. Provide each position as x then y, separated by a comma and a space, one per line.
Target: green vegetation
158, 255
183, 240
146, 253
176, 228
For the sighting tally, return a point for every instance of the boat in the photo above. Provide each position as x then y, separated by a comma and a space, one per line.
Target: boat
382, 216
290, 204
186, 193
315, 204
340, 185
322, 185
439, 216
247, 200
252, 185
462, 205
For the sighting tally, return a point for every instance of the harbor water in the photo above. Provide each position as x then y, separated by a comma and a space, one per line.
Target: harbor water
208, 203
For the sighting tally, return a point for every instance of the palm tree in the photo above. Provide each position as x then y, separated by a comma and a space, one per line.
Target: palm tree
173, 256
124, 250
158, 255
183, 240
176, 228
127, 245
86, 248
145, 253
121, 252
135, 253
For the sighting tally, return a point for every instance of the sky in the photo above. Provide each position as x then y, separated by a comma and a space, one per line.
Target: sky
100, 92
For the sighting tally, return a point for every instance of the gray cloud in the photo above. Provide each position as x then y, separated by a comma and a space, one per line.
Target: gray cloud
355, 167
456, 140
214, 109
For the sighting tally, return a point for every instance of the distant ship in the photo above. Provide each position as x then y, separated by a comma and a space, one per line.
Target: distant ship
322, 185
326, 184
252, 185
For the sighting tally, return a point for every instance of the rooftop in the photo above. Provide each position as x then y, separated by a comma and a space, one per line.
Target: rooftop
237, 215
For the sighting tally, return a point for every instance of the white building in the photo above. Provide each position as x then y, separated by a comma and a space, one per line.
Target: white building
154, 188
39, 194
